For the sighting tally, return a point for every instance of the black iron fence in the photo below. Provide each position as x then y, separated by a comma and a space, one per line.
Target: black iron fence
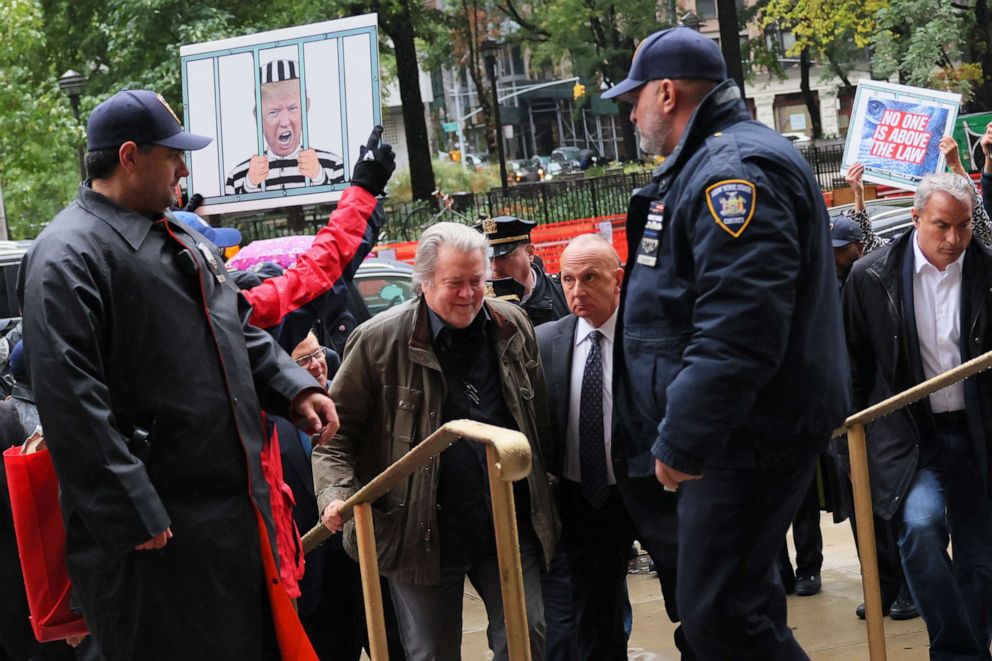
545, 202
825, 163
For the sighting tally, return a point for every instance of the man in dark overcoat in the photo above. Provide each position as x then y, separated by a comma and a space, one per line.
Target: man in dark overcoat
150, 386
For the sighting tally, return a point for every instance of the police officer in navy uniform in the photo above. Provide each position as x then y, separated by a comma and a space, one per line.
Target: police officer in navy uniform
542, 298
731, 368
513, 256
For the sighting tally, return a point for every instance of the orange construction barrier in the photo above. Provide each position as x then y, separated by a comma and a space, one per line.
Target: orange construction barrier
549, 240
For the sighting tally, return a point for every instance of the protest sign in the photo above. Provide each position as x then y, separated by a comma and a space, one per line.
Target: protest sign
895, 132
287, 109
968, 132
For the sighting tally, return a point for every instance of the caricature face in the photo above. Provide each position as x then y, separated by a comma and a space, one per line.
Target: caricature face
282, 116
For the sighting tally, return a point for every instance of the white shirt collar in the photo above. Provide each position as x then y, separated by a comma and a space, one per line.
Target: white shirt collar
921, 262
583, 328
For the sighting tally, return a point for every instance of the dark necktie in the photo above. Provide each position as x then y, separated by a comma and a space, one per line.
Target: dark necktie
592, 452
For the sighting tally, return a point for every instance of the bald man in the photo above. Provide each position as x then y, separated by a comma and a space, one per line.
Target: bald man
597, 528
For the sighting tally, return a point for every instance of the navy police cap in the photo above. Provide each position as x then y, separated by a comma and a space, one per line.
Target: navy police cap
843, 231
505, 233
138, 116
673, 53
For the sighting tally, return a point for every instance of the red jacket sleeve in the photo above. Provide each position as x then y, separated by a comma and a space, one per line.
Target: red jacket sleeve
316, 271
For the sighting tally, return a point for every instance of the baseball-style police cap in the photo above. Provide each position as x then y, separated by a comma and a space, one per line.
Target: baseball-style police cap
505, 233
222, 237
673, 53
844, 231
140, 116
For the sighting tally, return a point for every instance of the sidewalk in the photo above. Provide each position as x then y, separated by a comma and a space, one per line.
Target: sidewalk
824, 624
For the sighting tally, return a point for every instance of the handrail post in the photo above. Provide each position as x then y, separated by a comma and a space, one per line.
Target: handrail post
858, 451
368, 562
508, 555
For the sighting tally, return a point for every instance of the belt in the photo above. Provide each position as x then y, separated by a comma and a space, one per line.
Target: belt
951, 419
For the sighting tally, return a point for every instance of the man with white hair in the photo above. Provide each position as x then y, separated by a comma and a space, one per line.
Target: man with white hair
449, 353
915, 309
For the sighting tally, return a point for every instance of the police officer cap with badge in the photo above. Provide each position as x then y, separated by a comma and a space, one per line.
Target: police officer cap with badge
731, 364
513, 257
506, 233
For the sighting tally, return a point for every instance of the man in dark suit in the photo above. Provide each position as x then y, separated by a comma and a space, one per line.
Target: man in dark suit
597, 529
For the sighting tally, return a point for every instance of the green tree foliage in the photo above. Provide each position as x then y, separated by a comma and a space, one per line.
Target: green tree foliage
598, 37
38, 164
135, 44
925, 42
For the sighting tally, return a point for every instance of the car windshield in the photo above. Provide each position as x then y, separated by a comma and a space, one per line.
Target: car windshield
382, 291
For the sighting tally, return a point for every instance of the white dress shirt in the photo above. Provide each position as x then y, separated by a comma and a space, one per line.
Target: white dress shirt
580, 352
937, 305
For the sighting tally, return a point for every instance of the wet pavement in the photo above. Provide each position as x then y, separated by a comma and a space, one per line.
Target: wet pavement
824, 624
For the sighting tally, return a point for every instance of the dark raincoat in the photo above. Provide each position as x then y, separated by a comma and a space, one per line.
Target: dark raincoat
131, 324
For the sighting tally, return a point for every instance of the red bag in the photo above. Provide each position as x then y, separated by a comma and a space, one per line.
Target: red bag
34, 501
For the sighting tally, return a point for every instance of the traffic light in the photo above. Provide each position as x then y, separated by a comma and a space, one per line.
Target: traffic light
578, 91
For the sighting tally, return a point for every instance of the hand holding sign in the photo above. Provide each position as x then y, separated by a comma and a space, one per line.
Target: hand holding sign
986, 143
854, 178
949, 148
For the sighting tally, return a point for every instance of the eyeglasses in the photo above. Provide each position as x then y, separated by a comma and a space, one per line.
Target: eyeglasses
304, 361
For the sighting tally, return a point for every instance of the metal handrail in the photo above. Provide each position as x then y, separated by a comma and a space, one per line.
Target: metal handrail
508, 458
854, 427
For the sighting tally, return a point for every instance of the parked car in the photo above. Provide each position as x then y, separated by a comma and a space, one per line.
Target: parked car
476, 161
520, 171
547, 169
384, 283
11, 254
568, 157
890, 216
589, 157
798, 139
875, 207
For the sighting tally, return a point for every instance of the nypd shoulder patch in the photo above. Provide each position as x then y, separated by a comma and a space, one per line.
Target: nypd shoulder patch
732, 203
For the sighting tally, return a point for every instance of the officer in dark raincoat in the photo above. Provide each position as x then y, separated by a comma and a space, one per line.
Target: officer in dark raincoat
150, 387
732, 368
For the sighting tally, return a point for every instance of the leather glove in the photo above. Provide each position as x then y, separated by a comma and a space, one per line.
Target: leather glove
194, 202
374, 168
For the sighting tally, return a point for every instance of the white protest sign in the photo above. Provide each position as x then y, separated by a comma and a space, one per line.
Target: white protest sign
287, 110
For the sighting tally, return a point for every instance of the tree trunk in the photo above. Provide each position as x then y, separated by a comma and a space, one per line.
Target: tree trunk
730, 40
399, 27
483, 90
812, 104
629, 150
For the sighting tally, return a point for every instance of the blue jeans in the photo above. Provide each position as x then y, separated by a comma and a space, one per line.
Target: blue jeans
949, 502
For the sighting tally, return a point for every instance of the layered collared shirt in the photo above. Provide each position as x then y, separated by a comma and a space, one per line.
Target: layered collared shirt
937, 305
580, 352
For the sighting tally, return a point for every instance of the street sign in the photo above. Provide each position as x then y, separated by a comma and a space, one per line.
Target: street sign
449, 127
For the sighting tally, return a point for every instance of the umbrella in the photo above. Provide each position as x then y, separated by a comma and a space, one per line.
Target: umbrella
283, 251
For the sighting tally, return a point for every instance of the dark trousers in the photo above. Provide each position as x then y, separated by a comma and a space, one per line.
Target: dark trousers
731, 526
890, 577
653, 512
560, 642
336, 626
597, 544
806, 536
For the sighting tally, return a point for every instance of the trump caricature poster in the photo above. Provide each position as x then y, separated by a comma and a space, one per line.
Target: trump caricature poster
287, 110
895, 132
